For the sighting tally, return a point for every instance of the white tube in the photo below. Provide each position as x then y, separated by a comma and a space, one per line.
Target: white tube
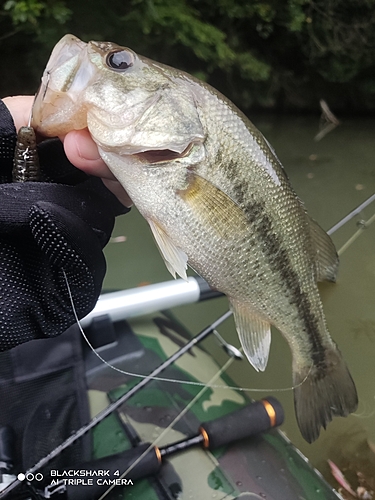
144, 300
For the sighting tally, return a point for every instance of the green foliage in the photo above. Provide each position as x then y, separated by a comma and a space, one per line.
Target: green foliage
258, 52
341, 38
182, 24
22, 12
297, 15
30, 13
252, 68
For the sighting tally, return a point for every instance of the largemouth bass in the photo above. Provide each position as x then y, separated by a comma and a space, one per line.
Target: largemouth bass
216, 198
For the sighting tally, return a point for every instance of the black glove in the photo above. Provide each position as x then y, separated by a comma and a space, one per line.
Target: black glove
49, 230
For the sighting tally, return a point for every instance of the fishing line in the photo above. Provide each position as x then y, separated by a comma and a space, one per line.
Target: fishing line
205, 387
117, 403
367, 412
174, 421
164, 379
201, 384
241, 389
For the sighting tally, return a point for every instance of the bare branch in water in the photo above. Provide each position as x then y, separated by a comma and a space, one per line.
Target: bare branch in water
328, 121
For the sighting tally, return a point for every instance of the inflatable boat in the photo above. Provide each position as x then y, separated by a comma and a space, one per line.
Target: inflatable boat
133, 407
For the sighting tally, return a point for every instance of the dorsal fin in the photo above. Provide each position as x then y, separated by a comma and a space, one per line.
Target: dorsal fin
327, 260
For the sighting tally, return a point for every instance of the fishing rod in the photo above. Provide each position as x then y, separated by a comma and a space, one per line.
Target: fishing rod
351, 214
255, 418
134, 302
116, 404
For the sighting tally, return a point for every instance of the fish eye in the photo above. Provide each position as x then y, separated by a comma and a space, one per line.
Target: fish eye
120, 60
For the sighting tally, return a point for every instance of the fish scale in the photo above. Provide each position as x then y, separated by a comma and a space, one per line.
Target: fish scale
216, 198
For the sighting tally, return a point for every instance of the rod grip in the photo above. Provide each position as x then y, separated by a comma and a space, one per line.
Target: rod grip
257, 417
116, 465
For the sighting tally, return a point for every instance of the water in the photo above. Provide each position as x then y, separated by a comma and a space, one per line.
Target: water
332, 177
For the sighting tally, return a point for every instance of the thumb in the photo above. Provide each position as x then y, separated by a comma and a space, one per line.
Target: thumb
82, 152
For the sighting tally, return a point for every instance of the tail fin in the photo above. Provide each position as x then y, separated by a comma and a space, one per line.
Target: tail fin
327, 392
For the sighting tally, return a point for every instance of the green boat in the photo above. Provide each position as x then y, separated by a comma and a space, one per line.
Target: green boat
73, 427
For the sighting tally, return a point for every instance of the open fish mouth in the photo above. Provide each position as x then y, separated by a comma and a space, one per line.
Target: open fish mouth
164, 155
65, 77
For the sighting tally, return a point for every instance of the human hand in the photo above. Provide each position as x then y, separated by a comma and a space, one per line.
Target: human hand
49, 230
79, 148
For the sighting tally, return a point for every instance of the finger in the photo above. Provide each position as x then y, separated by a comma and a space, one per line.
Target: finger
20, 109
82, 152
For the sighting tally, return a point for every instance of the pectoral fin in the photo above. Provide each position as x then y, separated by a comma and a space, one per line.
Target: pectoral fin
175, 259
327, 261
214, 207
254, 334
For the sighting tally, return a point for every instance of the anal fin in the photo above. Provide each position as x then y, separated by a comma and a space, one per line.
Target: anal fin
254, 334
175, 259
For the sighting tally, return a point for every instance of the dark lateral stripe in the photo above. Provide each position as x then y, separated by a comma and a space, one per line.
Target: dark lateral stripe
278, 259
280, 263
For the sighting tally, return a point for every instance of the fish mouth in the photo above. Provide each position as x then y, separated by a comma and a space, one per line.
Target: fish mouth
152, 155
64, 78
163, 155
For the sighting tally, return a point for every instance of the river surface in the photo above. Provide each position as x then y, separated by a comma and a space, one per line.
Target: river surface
332, 177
